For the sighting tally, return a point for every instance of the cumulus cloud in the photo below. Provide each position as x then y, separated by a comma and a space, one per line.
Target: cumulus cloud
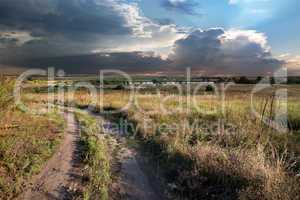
216, 51
292, 63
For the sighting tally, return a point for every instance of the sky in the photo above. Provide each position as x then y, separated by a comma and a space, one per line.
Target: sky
212, 37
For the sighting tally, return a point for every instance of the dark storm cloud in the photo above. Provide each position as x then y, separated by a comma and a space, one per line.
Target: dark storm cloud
55, 28
133, 62
8, 41
216, 51
183, 6
63, 33
66, 17
58, 27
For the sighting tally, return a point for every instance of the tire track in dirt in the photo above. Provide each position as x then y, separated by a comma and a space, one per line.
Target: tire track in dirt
61, 177
134, 183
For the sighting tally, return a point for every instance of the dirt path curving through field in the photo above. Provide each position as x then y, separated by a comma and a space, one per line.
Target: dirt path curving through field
134, 183
61, 177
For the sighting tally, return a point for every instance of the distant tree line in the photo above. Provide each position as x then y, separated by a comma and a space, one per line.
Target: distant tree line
237, 80
259, 79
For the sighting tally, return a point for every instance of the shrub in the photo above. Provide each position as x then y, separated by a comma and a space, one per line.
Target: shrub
119, 87
209, 88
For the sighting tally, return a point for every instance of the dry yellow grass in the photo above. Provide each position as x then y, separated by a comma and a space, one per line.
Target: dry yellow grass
25, 144
254, 161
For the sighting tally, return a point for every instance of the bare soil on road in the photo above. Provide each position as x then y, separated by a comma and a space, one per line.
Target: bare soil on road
61, 176
134, 182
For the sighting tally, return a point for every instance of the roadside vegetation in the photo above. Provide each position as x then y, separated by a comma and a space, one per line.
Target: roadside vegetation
210, 154
245, 159
96, 156
26, 142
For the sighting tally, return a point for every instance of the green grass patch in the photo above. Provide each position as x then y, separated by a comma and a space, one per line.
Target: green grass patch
24, 151
96, 156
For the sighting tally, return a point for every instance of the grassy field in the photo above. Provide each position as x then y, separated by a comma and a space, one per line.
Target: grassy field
26, 142
216, 149
244, 159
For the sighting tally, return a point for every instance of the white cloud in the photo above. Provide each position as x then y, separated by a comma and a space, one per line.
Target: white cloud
236, 39
293, 64
220, 51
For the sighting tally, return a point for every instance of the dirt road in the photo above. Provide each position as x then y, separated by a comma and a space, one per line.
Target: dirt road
61, 176
134, 182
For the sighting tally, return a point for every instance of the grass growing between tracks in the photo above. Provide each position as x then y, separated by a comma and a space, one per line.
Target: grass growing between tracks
96, 157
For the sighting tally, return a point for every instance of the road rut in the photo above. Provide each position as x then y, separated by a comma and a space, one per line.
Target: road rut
61, 176
134, 182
